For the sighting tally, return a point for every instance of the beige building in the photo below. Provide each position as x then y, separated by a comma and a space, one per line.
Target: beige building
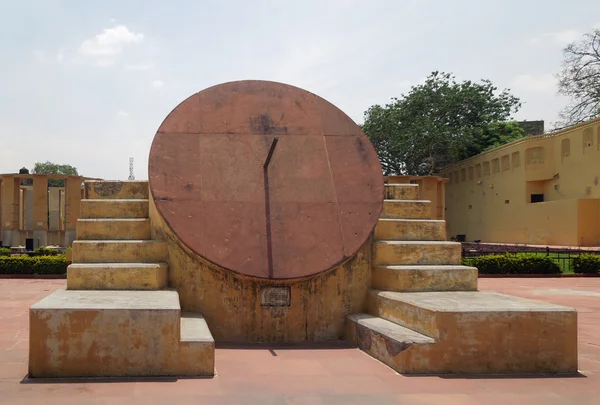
30, 209
539, 190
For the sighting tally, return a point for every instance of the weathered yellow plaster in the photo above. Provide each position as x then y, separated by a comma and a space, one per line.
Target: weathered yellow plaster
231, 303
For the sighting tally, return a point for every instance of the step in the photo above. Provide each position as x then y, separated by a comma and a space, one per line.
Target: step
410, 229
415, 278
113, 229
416, 252
384, 340
483, 332
196, 343
114, 334
117, 276
401, 192
116, 189
406, 209
94, 208
119, 251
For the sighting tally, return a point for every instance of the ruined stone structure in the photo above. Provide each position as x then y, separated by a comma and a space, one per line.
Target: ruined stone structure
266, 219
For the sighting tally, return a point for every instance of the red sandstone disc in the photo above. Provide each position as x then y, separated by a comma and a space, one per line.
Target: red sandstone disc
314, 206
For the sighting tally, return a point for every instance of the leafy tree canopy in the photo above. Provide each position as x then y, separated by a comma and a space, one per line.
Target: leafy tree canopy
580, 79
53, 168
440, 122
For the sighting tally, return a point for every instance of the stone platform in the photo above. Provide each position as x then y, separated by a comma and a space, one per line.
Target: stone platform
114, 333
303, 374
468, 332
426, 316
116, 319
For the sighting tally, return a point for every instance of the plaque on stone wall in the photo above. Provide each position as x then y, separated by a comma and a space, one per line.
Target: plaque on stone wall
275, 297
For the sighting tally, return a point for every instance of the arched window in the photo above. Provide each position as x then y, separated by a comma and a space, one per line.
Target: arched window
588, 139
565, 149
534, 156
516, 159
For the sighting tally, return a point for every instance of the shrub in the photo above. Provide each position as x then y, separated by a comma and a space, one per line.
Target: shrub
56, 264
44, 251
5, 251
522, 263
586, 264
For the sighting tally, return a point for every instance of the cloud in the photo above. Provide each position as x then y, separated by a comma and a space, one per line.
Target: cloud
543, 83
60, 56
38, 54
560, 38
105, 47
157, 84
122, 114
141, 66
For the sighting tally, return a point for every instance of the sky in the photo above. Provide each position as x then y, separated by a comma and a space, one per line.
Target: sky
88, 83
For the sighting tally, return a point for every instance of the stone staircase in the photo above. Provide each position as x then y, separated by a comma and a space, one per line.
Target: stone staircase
116, 318
425, 315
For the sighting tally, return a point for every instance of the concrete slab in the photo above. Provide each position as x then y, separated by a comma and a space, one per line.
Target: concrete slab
481, 332
113, 229
121, 251
389, 329
416, 252
96, 208
120, 300
401, 192
413, 209
117, 276
420, 278
410, 229
194, 328
471, 301
116, 189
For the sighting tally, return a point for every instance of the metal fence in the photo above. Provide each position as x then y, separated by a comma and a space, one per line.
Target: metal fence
562, 257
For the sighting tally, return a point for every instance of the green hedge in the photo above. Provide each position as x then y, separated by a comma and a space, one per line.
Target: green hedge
521, 263
5, 251
33, 264
586, 264
44, 251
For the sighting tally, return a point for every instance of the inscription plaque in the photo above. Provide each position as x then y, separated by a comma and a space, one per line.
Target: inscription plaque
275, 297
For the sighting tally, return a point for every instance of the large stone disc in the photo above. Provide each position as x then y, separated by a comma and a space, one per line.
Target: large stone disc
315, 205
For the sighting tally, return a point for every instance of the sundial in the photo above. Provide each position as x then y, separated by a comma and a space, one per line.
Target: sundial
265, 179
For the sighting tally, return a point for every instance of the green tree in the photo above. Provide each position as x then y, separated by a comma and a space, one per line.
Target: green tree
580, 79
438, 123
53, 168
493, 135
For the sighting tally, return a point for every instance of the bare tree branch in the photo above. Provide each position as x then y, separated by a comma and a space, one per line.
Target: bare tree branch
580, 79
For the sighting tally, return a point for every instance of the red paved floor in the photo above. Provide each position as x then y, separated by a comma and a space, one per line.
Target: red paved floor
335, 375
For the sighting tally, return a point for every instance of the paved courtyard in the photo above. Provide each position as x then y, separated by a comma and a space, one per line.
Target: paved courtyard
331, 374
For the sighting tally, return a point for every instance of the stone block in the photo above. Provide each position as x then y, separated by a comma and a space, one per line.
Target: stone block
116, 190
416, 278
114, 334
120, 251
401, 192
410, 229
481, 332
416, 252
406, 209
117, 276
113, 229
114, 208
